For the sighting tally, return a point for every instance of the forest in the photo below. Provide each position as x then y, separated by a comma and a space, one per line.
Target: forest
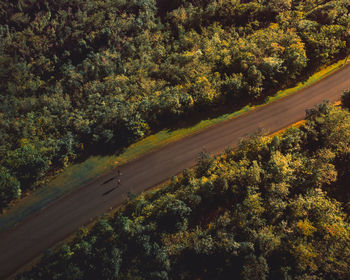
277, 207
79, 77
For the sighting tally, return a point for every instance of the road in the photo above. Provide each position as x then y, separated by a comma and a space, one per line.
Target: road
61, 218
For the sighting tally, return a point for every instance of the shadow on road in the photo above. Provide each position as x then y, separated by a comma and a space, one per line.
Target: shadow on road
105, 182
109, 191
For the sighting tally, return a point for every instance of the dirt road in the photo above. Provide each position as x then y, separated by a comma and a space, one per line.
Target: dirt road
47, 227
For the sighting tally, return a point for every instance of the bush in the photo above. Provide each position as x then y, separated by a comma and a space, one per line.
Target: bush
9, 187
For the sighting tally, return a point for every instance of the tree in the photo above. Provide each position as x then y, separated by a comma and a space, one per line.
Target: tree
9, 188
319, 236
28, 164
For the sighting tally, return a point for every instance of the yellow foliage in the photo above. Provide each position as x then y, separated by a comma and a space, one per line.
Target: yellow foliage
306, 227
202, 79
336, 230
189, 53
23, 142
277, 47
254, 203
71, 253
204, 180
299, 46
305, 255
225, 43
274, 26
213, 177
173, 241
183, 15
147, 211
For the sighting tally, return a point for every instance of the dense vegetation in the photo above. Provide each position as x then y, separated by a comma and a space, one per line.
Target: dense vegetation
272, 209
78, 76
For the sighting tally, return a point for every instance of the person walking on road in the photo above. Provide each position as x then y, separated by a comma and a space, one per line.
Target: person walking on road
118, 175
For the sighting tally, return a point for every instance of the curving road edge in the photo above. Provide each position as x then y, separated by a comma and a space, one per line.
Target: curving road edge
45, 228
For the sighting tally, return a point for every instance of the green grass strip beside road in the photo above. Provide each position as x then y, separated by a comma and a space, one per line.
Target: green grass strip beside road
77, 174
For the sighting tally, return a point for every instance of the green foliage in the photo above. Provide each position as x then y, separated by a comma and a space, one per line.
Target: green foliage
264, 211
91, 76
9, 187
28, 164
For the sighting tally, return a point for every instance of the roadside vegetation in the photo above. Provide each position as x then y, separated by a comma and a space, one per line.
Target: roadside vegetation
81, 77
274, 208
